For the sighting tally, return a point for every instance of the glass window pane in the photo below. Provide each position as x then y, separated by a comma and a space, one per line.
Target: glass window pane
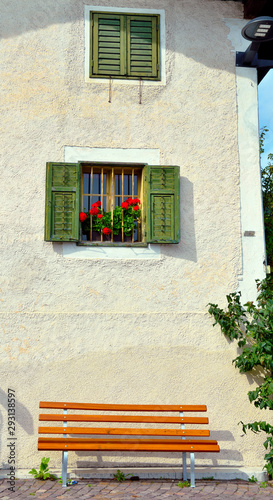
126, 185
96, 184
104, 184
135, 186
86, 183
118, 184
86, 203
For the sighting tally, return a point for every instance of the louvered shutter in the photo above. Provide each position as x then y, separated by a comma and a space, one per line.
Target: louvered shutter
108, 45
62, 202
142, 46
162, 199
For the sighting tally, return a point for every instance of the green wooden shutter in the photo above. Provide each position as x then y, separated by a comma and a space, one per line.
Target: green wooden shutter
162, 199
108, 45
62, 202
143, 46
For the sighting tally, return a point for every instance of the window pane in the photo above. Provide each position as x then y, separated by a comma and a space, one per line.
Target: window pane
86, 183
86, 203
135, 186
118, 184
127, 179
96, 184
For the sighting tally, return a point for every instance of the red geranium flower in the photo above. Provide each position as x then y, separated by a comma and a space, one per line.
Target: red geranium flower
136, 207
100, 216
94, 210
136, 200
129, 201
98, 203
106, 230
125, 205
83, 216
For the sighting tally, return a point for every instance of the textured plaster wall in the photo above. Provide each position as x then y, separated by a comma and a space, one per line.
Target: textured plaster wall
127, 331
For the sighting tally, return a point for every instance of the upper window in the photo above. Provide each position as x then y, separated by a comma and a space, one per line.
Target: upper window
116, 204
124, 46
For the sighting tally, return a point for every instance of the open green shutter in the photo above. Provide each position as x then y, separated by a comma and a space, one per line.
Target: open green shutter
62, 202
143, 46
108, 50
162, 199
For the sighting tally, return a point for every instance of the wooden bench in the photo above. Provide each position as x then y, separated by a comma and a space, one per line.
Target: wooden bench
172, 437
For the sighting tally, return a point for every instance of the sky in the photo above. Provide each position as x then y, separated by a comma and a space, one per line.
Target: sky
265, 95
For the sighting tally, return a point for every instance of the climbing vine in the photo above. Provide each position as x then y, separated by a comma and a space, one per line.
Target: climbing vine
251, 325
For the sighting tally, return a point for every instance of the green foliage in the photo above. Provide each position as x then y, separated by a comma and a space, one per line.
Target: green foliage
267, 189
183, 484
120, 476
251, 326
43, 473
263, 484
209, 478
123, 217
252, 479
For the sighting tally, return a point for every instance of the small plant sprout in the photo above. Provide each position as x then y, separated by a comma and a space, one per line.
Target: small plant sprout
120, 476
252, 479
183, 484
43, 473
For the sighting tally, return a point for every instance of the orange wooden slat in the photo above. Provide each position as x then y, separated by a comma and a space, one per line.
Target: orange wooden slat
123, 431
107, 446
125, 440
123, 418
120, 407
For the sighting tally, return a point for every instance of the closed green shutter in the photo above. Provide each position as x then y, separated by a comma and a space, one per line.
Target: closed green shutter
108, 45
62, 202
162, 198
142, 43
124, 46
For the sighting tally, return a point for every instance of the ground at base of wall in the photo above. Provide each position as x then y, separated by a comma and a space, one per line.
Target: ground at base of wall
157, 489
153, 473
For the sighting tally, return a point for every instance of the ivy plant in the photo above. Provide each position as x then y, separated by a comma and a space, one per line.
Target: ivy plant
251, 325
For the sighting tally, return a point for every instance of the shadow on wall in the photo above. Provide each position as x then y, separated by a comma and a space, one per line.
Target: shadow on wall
127, 459
22, 417
20, 16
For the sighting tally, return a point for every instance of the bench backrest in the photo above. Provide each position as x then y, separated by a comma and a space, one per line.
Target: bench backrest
124, 414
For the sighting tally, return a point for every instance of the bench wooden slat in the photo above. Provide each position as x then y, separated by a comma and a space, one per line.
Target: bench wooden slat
126, 440
123, 431
124, 418
120, 407
107, 446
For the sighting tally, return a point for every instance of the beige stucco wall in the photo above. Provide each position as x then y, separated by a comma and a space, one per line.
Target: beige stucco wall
127, 331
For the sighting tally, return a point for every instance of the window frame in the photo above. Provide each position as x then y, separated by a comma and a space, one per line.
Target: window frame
160, 204
124, 71
132, 12
110, 196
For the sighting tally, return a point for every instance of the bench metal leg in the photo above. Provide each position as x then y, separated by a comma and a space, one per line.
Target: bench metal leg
64, 468
184, 457
192, 471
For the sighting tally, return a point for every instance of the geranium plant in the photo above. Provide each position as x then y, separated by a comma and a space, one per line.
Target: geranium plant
123, 217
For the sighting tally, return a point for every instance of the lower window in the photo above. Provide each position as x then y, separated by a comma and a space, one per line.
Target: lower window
112, 204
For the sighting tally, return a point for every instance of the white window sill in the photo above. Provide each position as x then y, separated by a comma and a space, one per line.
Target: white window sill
74, 251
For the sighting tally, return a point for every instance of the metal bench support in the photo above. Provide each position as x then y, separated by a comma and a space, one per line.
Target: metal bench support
64, 459
184, 458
